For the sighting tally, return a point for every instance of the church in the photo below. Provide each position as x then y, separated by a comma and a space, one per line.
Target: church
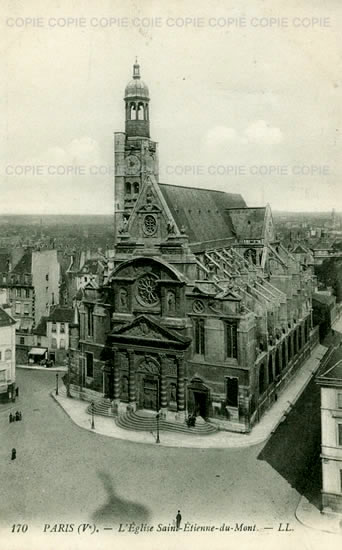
204, 312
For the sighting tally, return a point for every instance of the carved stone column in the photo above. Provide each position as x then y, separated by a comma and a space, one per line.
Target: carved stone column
180, 387
131, 382
114, 378
163, 383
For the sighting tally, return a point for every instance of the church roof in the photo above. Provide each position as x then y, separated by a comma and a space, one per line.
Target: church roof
248, 222
5, 319
136, 88
202, 212
299, 249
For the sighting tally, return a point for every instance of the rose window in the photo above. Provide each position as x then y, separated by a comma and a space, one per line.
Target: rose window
150, 224
147, 290
198, 306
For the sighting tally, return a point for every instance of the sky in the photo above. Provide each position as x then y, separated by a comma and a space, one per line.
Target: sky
245, 97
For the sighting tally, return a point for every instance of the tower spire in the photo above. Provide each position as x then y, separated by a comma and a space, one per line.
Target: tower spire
136, 69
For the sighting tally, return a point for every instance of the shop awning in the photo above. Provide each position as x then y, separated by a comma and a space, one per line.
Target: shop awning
37, 351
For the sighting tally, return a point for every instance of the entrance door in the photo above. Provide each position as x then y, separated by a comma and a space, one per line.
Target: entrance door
150, 396
201, 403
198, 398
109, 385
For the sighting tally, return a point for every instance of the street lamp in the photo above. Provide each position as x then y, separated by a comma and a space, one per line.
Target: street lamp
92, 415
158, 413
68, 362
56, 383
157, 417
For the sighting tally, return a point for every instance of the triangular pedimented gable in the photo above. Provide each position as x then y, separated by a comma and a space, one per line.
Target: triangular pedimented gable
151, 217
230, 295
143, 331
91, 285
205, 288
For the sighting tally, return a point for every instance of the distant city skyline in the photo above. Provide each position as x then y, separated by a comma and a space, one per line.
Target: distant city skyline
239, 107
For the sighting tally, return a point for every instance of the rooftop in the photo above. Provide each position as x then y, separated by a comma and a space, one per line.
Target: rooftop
40, 329
324, 299
5, 319
248, 223
25, 263
202, 212
61, 315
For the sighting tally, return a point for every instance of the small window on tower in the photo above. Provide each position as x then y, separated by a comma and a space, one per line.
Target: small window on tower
128, 188
136, 188
132, 111
140, 111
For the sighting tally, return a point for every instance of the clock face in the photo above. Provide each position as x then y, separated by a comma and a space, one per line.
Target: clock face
132, 165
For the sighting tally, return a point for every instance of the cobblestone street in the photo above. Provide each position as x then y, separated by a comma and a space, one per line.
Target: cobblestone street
64, 473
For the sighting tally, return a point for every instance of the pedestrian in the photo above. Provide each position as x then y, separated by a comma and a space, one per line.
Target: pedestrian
14, 454
10, 418
20, 415
17, 416
178, 520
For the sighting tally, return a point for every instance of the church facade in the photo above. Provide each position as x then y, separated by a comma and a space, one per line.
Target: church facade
204, 312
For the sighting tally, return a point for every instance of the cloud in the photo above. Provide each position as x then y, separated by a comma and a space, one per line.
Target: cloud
258, 132
261, 132
71, 178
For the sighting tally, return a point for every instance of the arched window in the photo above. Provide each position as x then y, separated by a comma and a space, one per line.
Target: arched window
136, 187
262, 379
307, 329
300, 339
295, 341
140, 112
277, 363
132, 111
128, 188
289, 350
283, 350
250, 256
270, 369
8, 355
199, 336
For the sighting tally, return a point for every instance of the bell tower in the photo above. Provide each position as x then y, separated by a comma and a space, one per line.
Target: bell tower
137, 106
135, 154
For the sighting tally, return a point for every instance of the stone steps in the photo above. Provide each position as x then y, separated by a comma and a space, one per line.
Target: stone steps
143, 421
101, 408
139, 421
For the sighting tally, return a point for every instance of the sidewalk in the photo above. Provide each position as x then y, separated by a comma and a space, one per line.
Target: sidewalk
76, 410
311, 517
